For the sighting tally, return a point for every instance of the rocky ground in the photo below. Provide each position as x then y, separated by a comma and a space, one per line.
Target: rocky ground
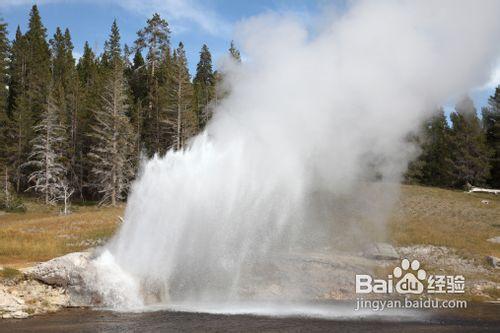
482, 279
326, 275
30, 297
46, 287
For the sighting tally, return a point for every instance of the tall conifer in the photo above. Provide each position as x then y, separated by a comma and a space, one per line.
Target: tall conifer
112, 154
155, 39
491, 124
469, 152
185, 121
204, 86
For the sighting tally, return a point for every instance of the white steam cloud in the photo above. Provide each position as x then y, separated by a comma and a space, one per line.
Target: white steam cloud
297, 154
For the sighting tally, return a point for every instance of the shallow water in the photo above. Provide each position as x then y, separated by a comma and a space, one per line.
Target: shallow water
476, 318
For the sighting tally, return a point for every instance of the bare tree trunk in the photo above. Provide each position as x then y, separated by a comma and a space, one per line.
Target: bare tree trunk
113, 193
6, 190
65, 201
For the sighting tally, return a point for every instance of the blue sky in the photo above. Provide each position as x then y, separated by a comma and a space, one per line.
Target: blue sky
193, 22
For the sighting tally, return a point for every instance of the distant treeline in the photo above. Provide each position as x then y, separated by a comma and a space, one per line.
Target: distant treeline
80, 129
467, 152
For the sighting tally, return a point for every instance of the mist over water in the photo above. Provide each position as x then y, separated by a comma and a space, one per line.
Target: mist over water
305, 153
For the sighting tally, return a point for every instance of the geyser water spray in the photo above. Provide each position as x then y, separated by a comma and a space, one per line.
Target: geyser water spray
303, 155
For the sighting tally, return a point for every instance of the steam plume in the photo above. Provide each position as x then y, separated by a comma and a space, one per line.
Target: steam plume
293, 156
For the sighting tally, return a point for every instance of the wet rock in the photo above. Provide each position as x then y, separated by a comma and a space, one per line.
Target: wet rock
381, 251
493, 261
302, 276
18, 315
81, 296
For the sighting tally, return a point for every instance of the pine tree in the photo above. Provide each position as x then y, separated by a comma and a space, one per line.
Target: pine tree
4, 81
87, 66
137, 78
90, 83
491, 124
155, 38
68, 95
414, 171
37, 65
469, 152
6, 195
437, 164
222, 90
4, 75
185, 122
18, 108
28, 89
46, 158
112, 48
62, 57
204, 86
8, 198
234, 52
73, 96
17, 69
111, 155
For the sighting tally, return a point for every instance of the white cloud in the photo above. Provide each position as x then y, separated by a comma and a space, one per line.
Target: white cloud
14, 3
180, 13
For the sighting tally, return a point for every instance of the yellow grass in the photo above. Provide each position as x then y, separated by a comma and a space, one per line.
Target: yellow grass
42, 233
427, 215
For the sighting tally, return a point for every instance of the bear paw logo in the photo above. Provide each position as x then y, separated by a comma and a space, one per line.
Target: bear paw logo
410, 277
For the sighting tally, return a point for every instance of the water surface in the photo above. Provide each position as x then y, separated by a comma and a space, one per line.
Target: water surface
477, 318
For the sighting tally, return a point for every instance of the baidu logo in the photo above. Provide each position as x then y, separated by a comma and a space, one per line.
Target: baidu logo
409, 278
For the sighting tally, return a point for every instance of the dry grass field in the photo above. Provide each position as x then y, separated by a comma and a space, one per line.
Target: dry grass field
455, 219
423, 215
42, 233
448, 232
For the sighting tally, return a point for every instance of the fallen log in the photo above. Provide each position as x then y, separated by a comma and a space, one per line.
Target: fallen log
484, 190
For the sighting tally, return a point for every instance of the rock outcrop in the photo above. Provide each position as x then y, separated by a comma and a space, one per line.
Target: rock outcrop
495, 240
381, 251
493, 261
62, 271
48, 286
69, 272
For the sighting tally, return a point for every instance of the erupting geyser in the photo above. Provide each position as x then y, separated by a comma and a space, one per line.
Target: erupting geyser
304, 154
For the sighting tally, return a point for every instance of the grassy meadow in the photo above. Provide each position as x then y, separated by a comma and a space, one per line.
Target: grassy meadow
451, 218
41, 233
